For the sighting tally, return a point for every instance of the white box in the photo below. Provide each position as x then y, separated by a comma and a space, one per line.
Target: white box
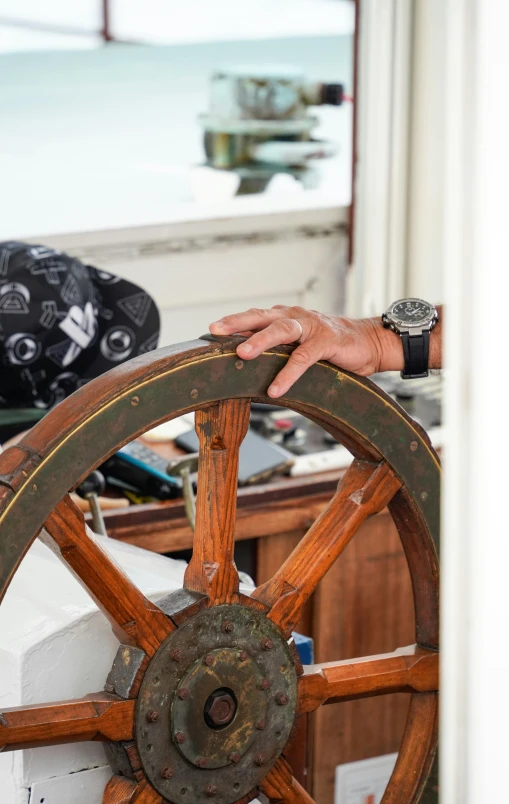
363, 782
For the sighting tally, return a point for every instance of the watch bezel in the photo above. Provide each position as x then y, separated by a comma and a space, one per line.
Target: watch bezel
427, 322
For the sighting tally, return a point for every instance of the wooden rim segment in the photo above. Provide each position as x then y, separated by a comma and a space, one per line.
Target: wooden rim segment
394, 466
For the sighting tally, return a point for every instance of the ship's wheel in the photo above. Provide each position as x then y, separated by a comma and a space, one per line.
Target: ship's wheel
207, 685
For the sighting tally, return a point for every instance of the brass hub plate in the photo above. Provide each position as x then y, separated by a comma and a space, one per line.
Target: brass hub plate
229, 647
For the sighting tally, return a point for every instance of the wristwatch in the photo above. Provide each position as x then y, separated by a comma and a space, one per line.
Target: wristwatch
412, 320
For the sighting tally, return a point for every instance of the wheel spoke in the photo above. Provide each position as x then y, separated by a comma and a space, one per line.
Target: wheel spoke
365, 489
123, 791
119, 791
411, 669
135, 619
221, 429
98, 716
280, 786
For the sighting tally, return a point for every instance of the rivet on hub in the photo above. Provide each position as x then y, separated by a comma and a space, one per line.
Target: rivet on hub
208, 660
260, 725
166, 773
201, 762
265, 684
183, 693
211, 790
267, 644
180, 737
176, 655
259, 760
243, 655
281, 699
235, 757
152, 716
227, 627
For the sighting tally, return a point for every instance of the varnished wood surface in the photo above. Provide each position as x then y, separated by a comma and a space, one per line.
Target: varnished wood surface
113, 410
417, 750
96, 717
411, 669
281, 786
135, 619
123, 791
119, 791
363, 606
283, 505
221, 429
365, 489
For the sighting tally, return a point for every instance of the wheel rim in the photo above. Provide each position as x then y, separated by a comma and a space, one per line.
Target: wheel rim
394, 464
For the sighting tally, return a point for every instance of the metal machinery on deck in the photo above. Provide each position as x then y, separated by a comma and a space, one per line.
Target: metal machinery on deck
206, 685
258, 124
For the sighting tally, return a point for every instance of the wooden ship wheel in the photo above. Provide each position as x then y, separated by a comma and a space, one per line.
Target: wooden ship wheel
207, 685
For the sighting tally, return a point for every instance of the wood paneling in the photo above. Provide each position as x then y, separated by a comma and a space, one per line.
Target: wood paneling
362, 607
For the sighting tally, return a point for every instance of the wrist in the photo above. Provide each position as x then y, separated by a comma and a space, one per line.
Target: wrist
388, 345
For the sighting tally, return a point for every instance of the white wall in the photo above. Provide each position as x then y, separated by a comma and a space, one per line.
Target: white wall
475, 597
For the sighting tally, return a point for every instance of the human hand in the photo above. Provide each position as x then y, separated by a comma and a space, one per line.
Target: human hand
362, 346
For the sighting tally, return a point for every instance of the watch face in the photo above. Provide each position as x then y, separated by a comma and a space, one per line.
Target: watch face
411, 312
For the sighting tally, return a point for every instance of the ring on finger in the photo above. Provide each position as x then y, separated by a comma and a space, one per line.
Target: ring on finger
299, 336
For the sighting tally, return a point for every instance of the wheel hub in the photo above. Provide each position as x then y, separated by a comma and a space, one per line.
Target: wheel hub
216, 706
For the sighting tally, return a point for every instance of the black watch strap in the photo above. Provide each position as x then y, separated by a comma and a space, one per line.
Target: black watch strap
416, 353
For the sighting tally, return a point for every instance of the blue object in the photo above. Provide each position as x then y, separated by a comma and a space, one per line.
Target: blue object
305, 647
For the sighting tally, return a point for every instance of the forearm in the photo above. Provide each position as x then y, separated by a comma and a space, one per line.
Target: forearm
391, 348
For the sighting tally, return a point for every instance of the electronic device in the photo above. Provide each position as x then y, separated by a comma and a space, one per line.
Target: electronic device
412, 320
145, 470
259, 459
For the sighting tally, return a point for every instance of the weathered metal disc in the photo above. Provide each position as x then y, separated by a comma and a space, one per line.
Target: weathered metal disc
251, 659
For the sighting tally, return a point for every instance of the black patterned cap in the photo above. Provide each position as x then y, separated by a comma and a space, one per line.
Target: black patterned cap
62, 323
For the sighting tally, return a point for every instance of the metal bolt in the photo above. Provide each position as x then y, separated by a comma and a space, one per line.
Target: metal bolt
265, 684
194, 393
183, 693
180, 737
176, 655
227, 627
220, 709
208, 660
259, 760
135, 400
413, 445
281, 699
201, 762
267, 644
211, 790
260, 725
235, 757
239, 364
166, 773
424, 496
243, 655
152, 716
